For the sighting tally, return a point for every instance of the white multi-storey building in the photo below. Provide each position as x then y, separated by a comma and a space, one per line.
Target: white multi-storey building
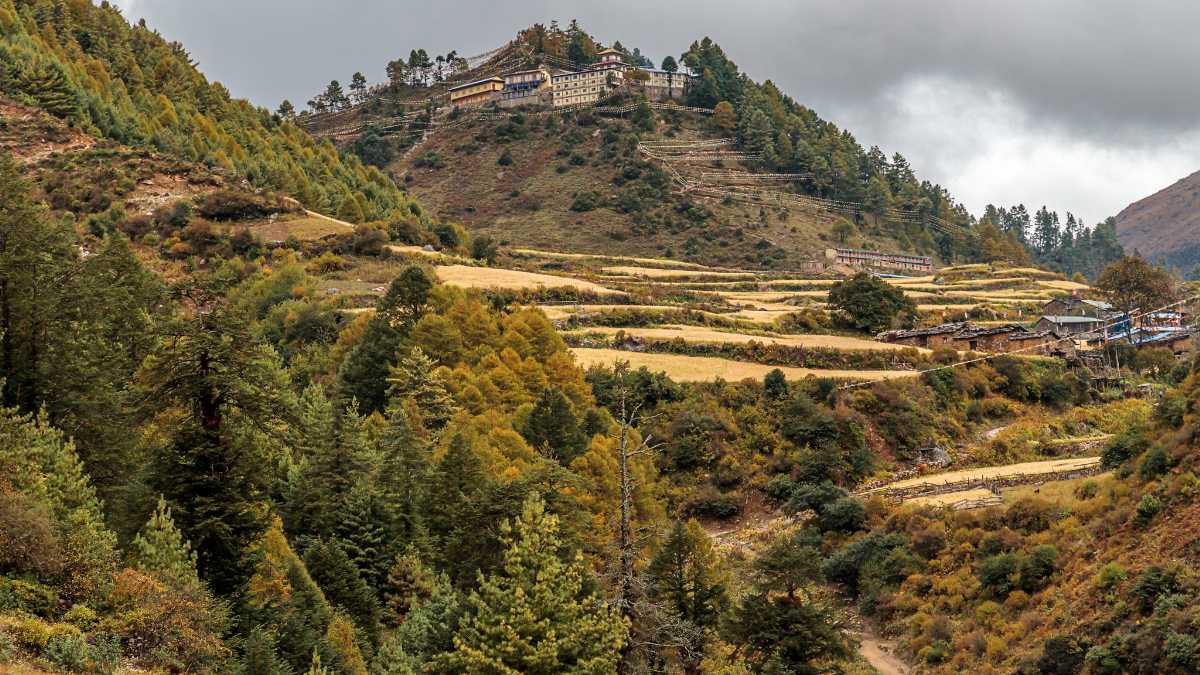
583, 87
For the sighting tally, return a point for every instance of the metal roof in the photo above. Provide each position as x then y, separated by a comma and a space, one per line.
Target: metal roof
1071, 319
476, 82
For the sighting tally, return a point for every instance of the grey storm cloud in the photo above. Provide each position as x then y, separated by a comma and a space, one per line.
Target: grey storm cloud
1065, 83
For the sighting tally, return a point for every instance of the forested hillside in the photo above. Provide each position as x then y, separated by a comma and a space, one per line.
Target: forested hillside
85, 64
237, 436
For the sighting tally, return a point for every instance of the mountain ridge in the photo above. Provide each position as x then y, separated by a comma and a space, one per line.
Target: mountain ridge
1166, 224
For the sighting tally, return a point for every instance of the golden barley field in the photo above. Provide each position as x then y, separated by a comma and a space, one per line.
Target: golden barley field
705, 368
494, 277
702, 335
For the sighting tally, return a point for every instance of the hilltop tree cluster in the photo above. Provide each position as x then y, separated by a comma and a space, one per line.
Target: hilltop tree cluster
1066, 245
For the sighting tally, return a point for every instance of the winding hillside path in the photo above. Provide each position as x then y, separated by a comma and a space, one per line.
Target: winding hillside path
879, 654
335, 221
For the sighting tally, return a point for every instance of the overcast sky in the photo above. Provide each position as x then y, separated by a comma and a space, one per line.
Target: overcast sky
1083, 105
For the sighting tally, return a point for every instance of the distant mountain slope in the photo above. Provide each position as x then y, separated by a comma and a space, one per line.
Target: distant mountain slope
1165, 225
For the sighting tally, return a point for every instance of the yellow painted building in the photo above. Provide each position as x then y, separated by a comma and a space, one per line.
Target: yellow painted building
476, 93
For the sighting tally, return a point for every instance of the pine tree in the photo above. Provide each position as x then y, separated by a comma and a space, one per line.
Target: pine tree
48, 85
36, 460
258, 654
429, 629
211, 365
36, 254
361, 533
410, 584
553, 426
403, 480
351, 210
391, 659
414, 385
345, 656
315, 667
457, 490
532, 616
330, 464
685, 573
358, 88
283, 599
643, 115
343, 586
161, 549
364, 372
335, 97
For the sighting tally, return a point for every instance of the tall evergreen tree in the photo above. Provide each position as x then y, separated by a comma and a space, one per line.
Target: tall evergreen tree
363, 376
161, 549
686, 575
212, 367
343, 586
533, 615
416, 389
552, 425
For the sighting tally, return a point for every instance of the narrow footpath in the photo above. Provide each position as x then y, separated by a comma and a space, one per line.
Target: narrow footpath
880, 655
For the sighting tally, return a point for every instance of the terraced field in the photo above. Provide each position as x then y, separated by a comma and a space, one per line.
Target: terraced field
494, 277
656, 273
705, 368
701, 335
698, 323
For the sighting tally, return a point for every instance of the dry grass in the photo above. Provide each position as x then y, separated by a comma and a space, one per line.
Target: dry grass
1011, 295
950, 308
1063, 285
920, 295
417, 250
973, 267
556, 312
950, 497
907, 288
302, 227
911, 280
1024, 468
492, 277
764, 296
661, 262
986, 281
702, 335
1060, 492
757, 316
1031, 271
762, 316
704, 368
657, 273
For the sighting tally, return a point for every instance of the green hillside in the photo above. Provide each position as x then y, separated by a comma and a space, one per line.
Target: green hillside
86, 65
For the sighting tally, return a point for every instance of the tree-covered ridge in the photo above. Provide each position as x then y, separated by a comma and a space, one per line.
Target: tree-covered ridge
85, 64
793, 138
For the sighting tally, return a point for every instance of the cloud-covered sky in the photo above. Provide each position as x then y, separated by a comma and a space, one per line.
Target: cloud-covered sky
1082, 105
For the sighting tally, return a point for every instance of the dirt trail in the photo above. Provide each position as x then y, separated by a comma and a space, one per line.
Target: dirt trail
322, 216
880, 655
984, 472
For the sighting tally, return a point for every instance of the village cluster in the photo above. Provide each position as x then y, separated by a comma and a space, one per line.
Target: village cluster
1066, 325
555, 88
